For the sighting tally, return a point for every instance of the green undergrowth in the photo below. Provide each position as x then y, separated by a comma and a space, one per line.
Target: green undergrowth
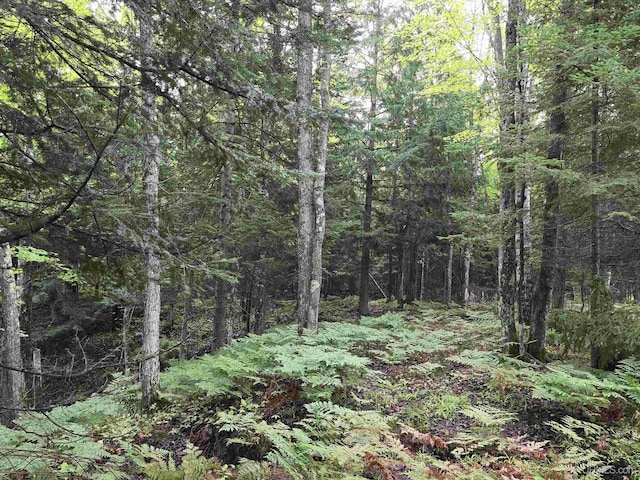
412, 395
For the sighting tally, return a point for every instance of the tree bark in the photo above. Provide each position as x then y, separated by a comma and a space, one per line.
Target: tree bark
304, 90
126, 322
543, 292
219, 334
413, 264
150, 369
14, 388
365, 262
449, 275
319, 181
186, 316
524, 247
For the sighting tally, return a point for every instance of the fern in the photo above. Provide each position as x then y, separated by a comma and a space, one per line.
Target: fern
578, 431
583, 463
488, 416
566, 384
480, 360
252, 470
628, 374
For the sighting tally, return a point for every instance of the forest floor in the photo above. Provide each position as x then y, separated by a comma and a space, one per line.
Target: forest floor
418, 394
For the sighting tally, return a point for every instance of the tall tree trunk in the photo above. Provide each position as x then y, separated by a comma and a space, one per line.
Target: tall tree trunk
596, 169
424, 270
186, 316
400, 272
365, 262
467, 273
524, 247
219, 334
318, 186
150, 369
449, 275
14, 387
390, 277
304, 90
411, 277
467, 248
506, 274
543, 292
511, 115
126, 322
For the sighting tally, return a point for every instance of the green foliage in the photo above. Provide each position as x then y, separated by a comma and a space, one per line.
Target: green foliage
616, 331
572, 386
160, 465
61, 441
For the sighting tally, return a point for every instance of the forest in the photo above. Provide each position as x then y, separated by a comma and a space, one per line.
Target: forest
320, 239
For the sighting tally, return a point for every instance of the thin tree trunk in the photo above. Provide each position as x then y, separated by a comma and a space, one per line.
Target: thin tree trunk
411, 278
11, 351
365, 263
524, 247
150, 368
318, 187
219, 334
186, 316
596, 169
467, 253
424, 271
400, 272
543, 292
231, 314
261, 308
506, 274
126, 322
304, 90
449, 275
390, 277
467, 273
36, 378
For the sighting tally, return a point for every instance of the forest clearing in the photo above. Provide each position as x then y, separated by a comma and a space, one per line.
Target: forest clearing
320, 239
419, 394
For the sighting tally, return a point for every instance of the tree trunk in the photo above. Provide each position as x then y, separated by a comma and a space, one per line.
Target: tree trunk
467, 272
365, 263
261, 309
304, 90
506, 274
36, 377
186, 316
150, 368
318, 186
411, 280
219, 334
13, 376
424, 271
126, 322
524, 247
544, 286
596, 169
449, 275
390, 278
400, 272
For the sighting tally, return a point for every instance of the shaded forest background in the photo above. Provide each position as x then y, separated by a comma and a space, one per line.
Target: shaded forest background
153, 176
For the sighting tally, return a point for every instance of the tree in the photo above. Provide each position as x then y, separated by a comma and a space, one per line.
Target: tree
150, 368
304, 90
12, 375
